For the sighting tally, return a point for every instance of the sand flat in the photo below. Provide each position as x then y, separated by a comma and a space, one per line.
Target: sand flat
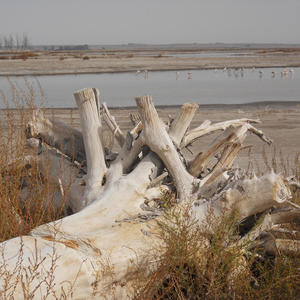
279, 121
88, 62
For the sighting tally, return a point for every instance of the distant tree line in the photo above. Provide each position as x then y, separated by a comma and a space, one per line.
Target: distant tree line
74, 47
66, 47
14, 42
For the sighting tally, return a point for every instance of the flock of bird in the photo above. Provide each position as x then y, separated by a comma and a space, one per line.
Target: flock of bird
239, 72
236, 72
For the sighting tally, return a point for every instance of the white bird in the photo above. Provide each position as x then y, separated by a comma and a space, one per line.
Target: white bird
235, 73
146, 74
242, 72
284, 73
291, 73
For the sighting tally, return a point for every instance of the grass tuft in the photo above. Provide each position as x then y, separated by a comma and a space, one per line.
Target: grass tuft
26, 194
191, 263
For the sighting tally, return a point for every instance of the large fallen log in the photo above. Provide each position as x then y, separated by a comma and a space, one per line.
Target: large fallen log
88, 254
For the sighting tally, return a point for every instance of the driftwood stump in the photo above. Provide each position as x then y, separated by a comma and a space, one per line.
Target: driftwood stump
115, 198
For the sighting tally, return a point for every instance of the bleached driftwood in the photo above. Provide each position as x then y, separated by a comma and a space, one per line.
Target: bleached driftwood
87, 254
57, 134
206, 128
113, 126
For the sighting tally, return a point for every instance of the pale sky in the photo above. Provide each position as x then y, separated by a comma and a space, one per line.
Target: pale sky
152, 21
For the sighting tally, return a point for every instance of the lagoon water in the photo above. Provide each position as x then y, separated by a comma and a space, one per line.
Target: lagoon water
167, 88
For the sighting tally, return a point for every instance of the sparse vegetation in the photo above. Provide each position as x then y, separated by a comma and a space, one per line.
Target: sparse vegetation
20, 55
77, 56
191, 264
25, 194
25, 55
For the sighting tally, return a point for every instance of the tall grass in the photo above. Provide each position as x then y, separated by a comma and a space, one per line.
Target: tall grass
26, 194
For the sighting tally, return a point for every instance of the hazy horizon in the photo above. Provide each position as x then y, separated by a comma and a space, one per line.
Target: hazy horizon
114, 22
164, 44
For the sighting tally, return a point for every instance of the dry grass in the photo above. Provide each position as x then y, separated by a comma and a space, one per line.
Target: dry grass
18, 55
27, 198
192, 264
16, 276
26, 55
26, 194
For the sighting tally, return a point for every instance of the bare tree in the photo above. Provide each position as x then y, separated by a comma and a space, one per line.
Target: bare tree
25, 41
15, 41
18, 41
6, 42
11, 42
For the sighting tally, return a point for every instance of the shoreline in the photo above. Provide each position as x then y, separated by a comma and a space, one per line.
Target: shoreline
259, 105
47, 63
110, 71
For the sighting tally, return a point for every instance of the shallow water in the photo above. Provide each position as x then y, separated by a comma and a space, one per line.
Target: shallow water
167, 88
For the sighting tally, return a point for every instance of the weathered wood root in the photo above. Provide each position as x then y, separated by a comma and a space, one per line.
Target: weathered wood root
116, 221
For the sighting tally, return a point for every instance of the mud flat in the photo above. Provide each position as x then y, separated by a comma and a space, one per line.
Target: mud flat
280, 121
96, 61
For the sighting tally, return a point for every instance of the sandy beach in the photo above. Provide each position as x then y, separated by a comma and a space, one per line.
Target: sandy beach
279, 121
97, 61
